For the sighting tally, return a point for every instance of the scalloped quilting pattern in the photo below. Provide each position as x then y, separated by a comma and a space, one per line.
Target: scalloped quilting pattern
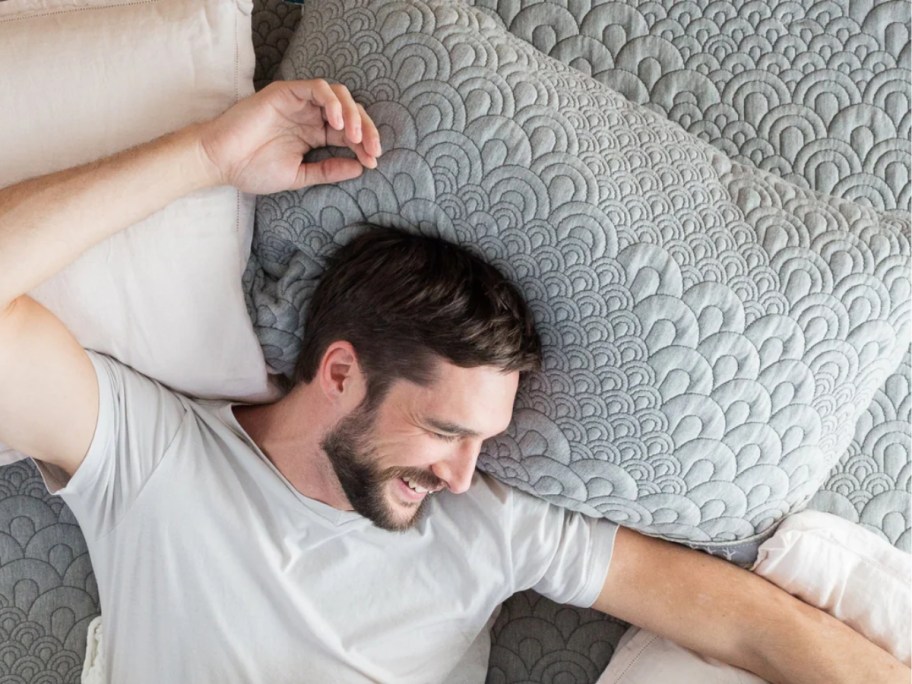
48, 593
816, 91
273, 22
872, 483
712, 332
537, 640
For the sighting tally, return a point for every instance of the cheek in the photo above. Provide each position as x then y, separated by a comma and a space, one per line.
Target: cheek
422, 451
409, 450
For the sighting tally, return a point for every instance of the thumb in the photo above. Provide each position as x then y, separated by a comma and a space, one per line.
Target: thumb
333, 170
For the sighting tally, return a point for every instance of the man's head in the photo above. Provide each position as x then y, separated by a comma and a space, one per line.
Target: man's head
438, 338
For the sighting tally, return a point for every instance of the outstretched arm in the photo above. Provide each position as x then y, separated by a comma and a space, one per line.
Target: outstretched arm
722, 611
48, 390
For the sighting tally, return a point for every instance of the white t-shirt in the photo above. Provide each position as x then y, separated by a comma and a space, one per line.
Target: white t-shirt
211, 567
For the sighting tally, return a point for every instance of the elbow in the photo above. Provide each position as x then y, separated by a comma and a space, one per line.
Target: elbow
8, 307
11, 313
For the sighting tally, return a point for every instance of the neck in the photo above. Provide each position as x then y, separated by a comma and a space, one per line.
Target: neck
289, 435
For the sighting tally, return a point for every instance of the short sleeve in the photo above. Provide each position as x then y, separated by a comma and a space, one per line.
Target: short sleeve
137, 420
561, 554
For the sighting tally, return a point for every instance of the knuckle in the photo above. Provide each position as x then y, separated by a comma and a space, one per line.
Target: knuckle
321, 85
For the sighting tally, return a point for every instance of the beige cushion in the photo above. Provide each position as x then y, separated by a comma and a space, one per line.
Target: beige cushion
643, 657
86, 78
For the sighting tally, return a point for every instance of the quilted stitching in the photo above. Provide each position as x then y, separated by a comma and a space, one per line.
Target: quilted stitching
49, 594
872, 482
814, 91
828, 83
273, 23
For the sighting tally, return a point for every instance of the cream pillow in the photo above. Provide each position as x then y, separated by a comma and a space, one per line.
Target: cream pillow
643, 657
826, 561
846, 570
86, 78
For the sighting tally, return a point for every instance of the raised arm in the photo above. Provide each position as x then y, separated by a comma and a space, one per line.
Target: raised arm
48, 390
719, 610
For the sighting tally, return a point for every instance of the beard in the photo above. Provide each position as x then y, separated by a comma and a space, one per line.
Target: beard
347, 445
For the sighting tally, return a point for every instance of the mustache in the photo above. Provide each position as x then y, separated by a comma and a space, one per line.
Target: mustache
422, 478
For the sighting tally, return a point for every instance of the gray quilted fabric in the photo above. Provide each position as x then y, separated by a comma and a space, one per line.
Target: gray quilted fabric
274, 22
537, 640
712, 332
816, 91
48, 594
872, 482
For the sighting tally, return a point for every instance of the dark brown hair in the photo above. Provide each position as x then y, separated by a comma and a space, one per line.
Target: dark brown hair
404, 301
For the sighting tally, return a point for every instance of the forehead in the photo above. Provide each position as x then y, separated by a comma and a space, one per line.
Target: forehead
479, 399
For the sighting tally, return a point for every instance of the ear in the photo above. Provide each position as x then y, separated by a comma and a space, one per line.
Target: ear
340, 377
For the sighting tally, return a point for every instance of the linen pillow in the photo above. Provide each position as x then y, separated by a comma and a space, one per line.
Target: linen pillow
711, 332
85, 78
643, 657
826, 561
846, 570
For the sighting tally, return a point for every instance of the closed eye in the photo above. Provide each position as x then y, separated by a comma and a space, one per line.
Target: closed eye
445, 438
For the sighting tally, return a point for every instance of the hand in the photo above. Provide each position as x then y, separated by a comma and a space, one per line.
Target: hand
258, 144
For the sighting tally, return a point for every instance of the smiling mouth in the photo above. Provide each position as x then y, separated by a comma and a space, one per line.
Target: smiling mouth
414, 486
412, 491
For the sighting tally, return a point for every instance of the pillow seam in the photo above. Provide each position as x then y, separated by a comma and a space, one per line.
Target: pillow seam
636, 658
237, 95
72, 10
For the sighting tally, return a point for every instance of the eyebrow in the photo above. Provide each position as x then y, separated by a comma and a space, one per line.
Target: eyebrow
450, 428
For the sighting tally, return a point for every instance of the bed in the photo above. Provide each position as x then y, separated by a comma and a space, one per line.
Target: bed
717, 70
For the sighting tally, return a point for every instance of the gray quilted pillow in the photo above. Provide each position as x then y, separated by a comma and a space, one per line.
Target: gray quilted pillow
711, 332
814, 91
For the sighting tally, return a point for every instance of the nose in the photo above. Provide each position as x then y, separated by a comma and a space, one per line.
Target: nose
457, 470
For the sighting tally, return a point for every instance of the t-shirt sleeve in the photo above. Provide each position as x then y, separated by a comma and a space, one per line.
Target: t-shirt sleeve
561, 554
137, 420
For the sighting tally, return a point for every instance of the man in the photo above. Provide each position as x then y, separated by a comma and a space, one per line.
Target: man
253, 544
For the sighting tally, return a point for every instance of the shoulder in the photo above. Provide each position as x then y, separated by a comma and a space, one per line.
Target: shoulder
140, 408
121, 377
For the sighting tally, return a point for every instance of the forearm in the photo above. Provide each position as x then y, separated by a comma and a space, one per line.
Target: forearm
47, 222
795, 642
721, 611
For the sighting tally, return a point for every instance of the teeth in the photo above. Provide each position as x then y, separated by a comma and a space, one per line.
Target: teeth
418, 488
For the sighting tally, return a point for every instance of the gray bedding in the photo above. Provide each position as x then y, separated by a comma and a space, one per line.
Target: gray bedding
816, 92
48, 594
47, 591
